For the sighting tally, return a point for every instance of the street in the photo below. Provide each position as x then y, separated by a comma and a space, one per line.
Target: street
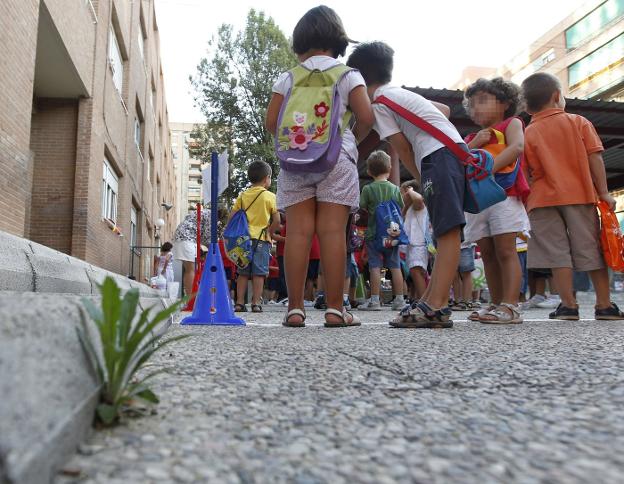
537, 402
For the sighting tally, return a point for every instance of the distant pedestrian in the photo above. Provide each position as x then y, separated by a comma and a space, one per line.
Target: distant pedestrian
185, 244
163, 263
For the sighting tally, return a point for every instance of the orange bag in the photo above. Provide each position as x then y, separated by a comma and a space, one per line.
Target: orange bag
611, 237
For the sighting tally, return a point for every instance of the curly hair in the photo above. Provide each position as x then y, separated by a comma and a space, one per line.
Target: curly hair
504, 91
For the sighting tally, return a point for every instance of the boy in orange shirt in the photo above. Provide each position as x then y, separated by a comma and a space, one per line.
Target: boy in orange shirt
563, 155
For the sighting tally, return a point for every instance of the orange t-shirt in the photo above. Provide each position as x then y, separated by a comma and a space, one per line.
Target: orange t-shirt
557, 146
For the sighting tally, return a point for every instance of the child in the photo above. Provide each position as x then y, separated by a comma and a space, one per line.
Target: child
163, 263
492, 105
272, 289
312, 278
462, 287
321, 202
381, 190
563, 154
229, 268
260, 207
442, 179
416, 227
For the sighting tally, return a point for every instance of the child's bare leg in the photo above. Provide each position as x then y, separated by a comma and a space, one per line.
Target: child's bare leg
375, 281
397, 282
458, 294
330, 227
301, 219
418, 282
600, 280
257, 284
492, 269
510, 271
241, 288
466, 278
444, 269
562, 277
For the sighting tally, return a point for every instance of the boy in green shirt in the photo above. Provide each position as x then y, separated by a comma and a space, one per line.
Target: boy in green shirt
381, 190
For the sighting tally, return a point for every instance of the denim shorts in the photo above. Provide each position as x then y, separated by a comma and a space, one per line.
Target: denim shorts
260, 264
351, 269
443, 185
524, 285
388, 259
466, 259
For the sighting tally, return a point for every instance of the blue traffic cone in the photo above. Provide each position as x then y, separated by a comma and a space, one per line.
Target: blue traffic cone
213, 304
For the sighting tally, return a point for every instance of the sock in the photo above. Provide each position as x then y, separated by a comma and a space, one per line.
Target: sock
345, 297
375, 299
399, 297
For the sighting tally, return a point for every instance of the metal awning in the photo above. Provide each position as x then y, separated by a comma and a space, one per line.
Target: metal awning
606, 116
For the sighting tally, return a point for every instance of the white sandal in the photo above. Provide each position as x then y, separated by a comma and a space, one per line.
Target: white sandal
504, 313
476, 315
298, 324
347, 319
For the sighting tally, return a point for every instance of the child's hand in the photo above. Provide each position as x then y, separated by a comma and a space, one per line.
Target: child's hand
482, 138
609, 199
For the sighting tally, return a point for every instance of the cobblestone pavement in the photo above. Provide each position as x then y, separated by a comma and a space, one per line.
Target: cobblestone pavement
537, 402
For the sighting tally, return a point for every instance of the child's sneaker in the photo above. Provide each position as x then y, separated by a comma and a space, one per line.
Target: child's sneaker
421, 315
370, 306
565, 313
320, 303
550, 302
346, 303
612, 313
398, 304
533, 302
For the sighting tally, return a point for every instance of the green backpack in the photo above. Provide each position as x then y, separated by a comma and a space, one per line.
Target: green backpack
309, 128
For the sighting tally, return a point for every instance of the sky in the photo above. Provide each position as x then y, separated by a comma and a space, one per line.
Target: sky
433, 40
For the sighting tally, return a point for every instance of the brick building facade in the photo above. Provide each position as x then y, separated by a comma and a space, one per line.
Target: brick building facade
85, 149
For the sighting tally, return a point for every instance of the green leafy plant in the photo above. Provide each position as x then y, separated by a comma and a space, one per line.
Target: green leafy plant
126, 346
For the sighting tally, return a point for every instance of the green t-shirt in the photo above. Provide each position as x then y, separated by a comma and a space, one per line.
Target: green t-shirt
372, 195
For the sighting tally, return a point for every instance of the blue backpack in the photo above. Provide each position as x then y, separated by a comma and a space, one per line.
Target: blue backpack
389, 230
238, 246
482, 191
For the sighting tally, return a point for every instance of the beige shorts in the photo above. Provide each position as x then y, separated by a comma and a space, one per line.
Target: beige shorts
505, 217
184, 250
565, 236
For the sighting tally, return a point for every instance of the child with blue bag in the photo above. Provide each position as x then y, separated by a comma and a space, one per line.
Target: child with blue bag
383, 250
437, 165
492, 105
318, 185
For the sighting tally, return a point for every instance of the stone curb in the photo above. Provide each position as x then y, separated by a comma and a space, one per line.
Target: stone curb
28, 266
49, 392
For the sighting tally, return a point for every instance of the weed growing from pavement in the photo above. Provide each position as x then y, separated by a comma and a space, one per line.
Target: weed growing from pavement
120, 348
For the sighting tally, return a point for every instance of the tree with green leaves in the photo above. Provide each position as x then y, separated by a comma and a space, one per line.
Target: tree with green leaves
233, 88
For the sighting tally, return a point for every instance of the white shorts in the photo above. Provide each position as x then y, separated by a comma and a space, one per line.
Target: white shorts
417, 256
505, 217
184, 250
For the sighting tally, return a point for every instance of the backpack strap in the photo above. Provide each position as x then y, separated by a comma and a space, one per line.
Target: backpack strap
428, 128
252, 202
